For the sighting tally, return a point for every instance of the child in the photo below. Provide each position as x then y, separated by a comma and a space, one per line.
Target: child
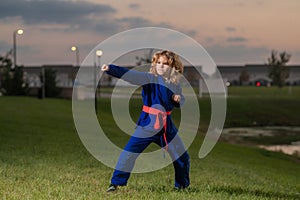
161, 93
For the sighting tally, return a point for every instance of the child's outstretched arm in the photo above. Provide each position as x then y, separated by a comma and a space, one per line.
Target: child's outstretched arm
131, 76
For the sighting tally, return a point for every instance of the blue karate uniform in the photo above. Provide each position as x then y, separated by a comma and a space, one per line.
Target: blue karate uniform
156, 93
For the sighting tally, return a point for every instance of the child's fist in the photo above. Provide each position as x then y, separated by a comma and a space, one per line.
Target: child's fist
176, 98
104, 68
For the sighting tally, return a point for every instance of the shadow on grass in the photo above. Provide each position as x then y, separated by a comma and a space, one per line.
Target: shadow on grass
231, 190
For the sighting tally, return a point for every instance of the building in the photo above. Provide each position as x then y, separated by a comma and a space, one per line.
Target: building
66, 75
258, 74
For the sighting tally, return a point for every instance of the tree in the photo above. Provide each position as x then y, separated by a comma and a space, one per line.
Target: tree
278, 71
51, 89
11, 79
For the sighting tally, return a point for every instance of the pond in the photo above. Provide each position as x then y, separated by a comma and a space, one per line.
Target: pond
275, 138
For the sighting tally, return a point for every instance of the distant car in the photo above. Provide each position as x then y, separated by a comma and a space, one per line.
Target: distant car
261, 82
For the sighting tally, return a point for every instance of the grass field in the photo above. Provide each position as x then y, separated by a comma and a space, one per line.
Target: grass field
42, 157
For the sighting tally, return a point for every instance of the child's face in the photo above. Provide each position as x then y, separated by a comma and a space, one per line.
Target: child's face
162, 66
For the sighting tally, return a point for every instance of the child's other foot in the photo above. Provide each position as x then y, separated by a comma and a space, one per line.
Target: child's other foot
181, 188
112, 188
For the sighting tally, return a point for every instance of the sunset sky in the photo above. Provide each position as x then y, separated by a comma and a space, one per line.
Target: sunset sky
234, 32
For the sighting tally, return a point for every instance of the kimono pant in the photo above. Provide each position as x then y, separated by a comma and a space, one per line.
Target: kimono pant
136, 145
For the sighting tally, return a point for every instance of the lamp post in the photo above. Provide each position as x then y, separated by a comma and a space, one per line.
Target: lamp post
15, 33
76, 50
98, 53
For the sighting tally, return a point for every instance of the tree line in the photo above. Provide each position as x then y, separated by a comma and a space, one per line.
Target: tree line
13, 80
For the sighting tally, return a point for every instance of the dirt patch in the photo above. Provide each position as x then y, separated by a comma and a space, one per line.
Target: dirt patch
292, 149
283, 139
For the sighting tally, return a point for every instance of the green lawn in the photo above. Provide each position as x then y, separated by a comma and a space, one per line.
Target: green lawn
42, 157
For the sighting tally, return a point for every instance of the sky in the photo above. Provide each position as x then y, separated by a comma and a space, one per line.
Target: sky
233, 32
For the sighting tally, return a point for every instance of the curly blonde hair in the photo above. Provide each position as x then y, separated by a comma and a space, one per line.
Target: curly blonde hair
173, 61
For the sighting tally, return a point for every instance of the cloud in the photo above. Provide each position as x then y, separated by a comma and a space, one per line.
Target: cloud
72, 16
134, 6
109, 26
236, 39
230, 29
104, 26
54, 11
134, 22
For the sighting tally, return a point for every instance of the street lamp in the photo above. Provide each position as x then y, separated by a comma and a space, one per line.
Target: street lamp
15, 33
76, 50
98, 53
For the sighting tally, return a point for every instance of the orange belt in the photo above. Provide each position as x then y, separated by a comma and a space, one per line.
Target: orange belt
157, 112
